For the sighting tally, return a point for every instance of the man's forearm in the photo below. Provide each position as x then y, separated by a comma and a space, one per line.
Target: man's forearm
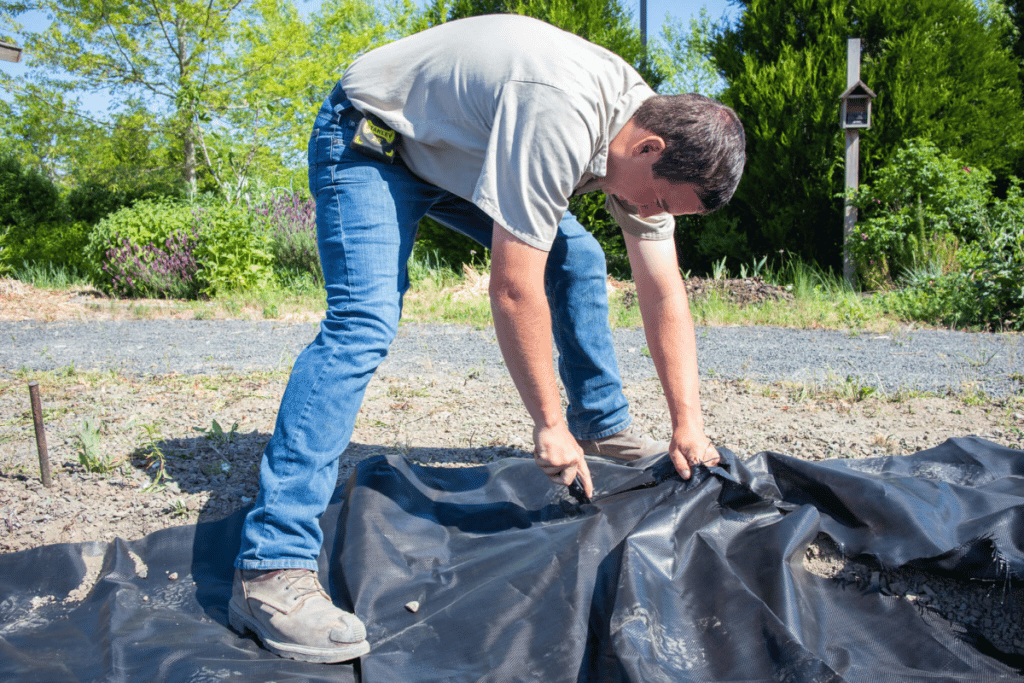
523, 327
668, 327
522, 322
670, 338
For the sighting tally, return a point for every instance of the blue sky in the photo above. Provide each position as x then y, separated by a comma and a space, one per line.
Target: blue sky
656, 11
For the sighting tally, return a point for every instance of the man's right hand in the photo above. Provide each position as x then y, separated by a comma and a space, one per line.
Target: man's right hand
559, 456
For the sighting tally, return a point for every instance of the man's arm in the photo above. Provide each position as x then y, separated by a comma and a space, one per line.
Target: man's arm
670, 338
522, 321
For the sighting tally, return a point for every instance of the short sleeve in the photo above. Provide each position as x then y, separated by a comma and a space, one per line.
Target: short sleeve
658, 227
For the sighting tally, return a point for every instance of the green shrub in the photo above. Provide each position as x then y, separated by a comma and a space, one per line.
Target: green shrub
148, 222
93, 201
996, 264
916, 208
948, 299
27, 197
58, 245
988, 292
291, 224
164, 248
234, 253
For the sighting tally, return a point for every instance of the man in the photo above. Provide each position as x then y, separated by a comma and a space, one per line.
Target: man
488, 125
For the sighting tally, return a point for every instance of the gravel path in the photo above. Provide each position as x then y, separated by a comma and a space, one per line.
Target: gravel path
926, 360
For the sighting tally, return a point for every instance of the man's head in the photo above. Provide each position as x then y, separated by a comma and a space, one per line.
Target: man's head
704, 144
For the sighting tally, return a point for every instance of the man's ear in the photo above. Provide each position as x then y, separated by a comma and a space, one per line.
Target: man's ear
649, 143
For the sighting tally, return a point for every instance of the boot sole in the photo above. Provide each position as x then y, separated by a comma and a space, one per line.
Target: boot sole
242, 623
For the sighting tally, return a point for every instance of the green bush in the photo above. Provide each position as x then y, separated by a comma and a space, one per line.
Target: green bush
92, 201
234, 253
27, 197
58, 245
948, 299
996, 264
148, 222
919, 209
164, 248
291, 224
988, 292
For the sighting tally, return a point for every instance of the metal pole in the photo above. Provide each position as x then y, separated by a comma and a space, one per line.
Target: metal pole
852, 166
643, 24
37, 418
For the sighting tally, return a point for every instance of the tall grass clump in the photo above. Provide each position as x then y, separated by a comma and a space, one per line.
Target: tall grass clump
49, 275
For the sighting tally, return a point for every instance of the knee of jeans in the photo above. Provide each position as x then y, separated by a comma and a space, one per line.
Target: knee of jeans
368, 322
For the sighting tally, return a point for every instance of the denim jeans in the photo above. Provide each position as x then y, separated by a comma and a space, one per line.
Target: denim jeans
366, 216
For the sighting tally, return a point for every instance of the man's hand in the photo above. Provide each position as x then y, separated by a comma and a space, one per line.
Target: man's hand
560, 457
691, 449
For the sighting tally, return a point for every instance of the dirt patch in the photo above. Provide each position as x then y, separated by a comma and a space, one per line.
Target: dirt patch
190, 448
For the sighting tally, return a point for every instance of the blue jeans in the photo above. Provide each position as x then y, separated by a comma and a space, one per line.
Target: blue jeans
366, 215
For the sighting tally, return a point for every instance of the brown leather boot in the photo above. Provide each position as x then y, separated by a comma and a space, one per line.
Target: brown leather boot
291, 614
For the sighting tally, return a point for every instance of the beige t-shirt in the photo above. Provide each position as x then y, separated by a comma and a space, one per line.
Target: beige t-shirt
507, 112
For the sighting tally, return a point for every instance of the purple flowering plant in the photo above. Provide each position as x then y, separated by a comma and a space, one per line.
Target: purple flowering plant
291, 223
169, 271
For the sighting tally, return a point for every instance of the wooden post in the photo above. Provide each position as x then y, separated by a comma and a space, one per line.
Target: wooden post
37, 419
852, 166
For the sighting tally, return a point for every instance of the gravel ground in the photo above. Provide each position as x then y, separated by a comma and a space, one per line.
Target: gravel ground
921, 360
179, 412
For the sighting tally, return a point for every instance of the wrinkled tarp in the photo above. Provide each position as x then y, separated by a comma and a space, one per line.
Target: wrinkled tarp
657, 580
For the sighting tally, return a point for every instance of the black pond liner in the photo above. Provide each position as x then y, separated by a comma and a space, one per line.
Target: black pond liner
656, 580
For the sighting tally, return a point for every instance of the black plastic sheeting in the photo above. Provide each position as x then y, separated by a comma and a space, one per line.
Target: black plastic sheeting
656, 580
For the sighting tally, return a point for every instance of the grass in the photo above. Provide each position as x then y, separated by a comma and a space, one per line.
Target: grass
440, 294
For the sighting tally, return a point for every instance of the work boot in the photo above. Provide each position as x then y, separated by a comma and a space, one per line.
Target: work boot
627, 445
290, 612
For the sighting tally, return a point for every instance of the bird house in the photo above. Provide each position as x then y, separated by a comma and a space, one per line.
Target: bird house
10, 53
856, 109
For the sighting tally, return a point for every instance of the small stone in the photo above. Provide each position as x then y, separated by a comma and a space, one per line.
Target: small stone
173, 576
413, 606
145, 598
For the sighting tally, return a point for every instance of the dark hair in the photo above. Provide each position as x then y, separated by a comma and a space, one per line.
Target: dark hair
705, 144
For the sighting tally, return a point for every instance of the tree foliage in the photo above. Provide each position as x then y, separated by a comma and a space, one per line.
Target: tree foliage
940, 68
680, 54
229, 86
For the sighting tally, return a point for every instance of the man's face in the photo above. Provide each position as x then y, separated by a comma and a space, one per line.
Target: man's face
631, 179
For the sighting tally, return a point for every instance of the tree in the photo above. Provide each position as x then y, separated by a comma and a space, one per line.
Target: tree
680, 55
282, 94
102, 163
232, 81
173, 51
939, 68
